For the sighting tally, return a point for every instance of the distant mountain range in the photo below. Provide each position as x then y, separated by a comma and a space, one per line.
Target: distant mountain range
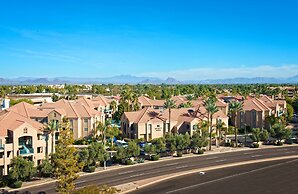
129, 79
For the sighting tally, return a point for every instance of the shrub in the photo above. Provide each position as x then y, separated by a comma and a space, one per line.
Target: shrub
289, 141
141, 160
279, 143
3, 182
200, 151
227, 144
179, 154
155, 157
254, 145
89, 168
17, 184
128, 162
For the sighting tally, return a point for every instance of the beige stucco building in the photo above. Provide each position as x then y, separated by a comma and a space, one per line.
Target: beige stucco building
21, 136
150, 123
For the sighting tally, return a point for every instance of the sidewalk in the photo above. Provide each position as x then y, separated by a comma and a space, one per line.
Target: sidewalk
215, 150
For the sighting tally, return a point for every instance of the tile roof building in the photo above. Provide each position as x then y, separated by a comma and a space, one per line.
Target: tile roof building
21, 136
150, 123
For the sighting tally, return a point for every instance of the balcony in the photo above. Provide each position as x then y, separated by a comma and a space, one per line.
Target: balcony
25, 150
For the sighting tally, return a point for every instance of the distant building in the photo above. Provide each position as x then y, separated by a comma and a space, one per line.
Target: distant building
4, 104
36, 98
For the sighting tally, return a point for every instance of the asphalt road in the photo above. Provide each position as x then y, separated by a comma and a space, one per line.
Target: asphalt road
260, 178
153, 169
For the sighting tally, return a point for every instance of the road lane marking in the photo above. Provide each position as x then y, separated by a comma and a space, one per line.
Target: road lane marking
181, 166
231, 176
172, 164
254, 156
136, 175
290, 152
211, 158
120, 173
80, 182
247, 153
222, 160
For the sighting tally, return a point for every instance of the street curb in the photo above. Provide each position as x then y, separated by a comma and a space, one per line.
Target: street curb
174, 175
161, 160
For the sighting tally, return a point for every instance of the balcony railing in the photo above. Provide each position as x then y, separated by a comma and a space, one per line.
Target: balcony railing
26, 150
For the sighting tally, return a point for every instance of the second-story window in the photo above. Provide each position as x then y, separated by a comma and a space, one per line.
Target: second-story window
85, 124
55, 115
25, 130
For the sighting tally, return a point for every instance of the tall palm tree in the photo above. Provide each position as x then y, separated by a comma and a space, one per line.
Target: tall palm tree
51, 128
220, 126
235, 108
211, 108
169, 104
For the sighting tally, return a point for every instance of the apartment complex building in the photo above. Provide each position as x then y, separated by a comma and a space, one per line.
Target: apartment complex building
21, 136
257, 109
149, 123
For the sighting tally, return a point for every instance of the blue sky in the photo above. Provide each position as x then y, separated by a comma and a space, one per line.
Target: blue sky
183, 39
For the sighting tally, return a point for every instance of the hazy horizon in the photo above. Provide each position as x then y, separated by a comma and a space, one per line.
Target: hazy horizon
194, 41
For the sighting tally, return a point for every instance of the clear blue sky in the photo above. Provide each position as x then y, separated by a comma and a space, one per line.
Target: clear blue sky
196, 39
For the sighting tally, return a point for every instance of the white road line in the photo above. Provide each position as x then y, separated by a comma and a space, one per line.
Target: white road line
290, 152
136, 175
222, 160
247, 153
211, 158
80, 182
231, 176
181, 166
254, 156
125, 172
172, 164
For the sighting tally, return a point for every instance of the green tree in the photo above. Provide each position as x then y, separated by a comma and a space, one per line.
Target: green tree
160, 144
235, 108
65, 160
14, 102
45, 169
211, 109
150, 149
169, 104
256, 134
220, 127
264, 136
290, 112
21, 169
132, 149
280, 132
199, 140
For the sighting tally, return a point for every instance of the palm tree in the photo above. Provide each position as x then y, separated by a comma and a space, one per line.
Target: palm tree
51, 128
235, 108
211, 108
220, 125
113, 106
169, 104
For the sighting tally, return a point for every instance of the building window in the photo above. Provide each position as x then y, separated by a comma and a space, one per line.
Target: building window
1, 154
86, 125
39, 149
39, 162
55, 115
71, 124
8, 154
25, 130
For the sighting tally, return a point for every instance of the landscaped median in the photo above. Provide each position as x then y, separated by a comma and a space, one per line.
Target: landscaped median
129, 187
